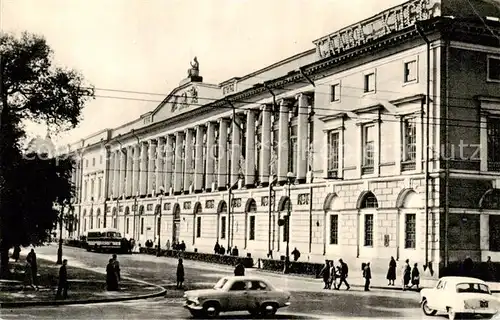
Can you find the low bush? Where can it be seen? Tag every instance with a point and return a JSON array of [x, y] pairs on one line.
[[481, 270], [198, 256], [75, 243], [297, 267]]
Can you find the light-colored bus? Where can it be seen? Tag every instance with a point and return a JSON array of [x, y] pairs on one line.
[[104, 239]]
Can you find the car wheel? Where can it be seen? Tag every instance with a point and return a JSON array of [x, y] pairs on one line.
[[211, 309], [427, 311], [195, 313], [452, 315], [268, 309], [254, 312]]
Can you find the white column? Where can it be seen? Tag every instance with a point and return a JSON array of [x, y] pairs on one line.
[[209, 163], [188, 156], [129, 177], [483, 151], [116, 175], [235, 150], [151, 166], [222, 161], [143, 170], [398, 146], [169, 154], [302, 137], [419, 123], [179, 142], [159, 164], [123, 168], [111, 172], [198, 177], [250, 150], [376, 161], [284, 141], [265, 154], [136, 169]]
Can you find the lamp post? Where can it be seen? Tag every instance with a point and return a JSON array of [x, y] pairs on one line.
[[158, 252], [59, 249], [290, 179]]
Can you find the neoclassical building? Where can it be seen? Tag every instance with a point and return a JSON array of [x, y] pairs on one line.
[[382, 140]]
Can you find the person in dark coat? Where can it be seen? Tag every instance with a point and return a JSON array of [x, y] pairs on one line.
[[325, 273], [111, 278], [217, 247], [468, 265], [16, 253], [344, 272], [235, 251], [62, 285], [222, 250], [34, 266], [415, 276], [239, 270], [296, 254], [182, 246], [391, 273], [367, 274], [406, 274], [180, 274]]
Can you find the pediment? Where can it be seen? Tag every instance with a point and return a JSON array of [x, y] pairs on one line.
[[185, 98]]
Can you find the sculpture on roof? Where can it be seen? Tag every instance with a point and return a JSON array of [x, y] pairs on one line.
[[195, 68]]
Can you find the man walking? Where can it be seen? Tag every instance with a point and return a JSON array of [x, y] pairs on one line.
[[344, 272], [116, 265], [31, 258], [63, 281], [367, 274]]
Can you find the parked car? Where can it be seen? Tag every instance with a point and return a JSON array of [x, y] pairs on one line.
[[457, 296], [237, 293]]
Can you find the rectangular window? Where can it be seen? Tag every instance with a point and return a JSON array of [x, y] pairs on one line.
[[100, 159], [223, 227], [493, 68], [335, 92], [198, 227], [410, 139], [368, 149], [369, 85], [369, 230], [93, 162], [410, 231], [494, 226], [493, 128], [410, 69], [334, 229], [251, 235], [142, 225], [86, 163], [92, 189], [333, 154]]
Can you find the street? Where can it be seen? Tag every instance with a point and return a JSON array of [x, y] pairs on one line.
[[308, 300]]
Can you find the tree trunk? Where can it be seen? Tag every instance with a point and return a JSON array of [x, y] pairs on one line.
[[4, 250], [4, 263]]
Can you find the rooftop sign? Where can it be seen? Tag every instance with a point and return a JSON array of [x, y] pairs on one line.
[[384, 23]]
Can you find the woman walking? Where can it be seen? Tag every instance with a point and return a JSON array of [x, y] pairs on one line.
[[180, 274], [391, 273], [415, 276]]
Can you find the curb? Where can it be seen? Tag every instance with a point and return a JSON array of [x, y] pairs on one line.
[[4, 305]]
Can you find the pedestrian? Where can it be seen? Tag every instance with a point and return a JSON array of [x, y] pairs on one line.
[[182, 246], [367, 274], [217, 247], [344, 273], [490, 269], [239, 270], [117, 267], [406, 274], [16, 253], [325, 273], [468, 265], [62, 284], [415, 276], [111, 279], [391, 273], [34, 266], [296, 254], [28, 276], [333, 276], [180, 274], [235, 251], [168, 244]]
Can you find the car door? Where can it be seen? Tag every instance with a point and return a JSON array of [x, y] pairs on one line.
[[258, 293], [238, 296], [436, 300]]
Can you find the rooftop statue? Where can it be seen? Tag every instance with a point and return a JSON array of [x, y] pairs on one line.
[[195, 68]]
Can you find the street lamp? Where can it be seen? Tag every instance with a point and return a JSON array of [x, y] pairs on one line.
[[290, 176], [59, 250], [158, 252]]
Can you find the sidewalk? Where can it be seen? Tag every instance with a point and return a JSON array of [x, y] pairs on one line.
[[85, 286]]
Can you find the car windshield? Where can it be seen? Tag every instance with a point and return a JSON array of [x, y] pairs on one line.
[[220, 283], [472, 288]]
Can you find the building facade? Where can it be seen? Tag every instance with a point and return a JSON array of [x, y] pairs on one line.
[[381, 141]]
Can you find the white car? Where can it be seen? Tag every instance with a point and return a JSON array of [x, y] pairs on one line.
[[237, 293], [459, 295]]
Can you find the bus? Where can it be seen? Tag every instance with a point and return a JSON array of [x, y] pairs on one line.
[[104, 240]]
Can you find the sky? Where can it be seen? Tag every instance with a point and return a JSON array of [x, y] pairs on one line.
[[146, 46]]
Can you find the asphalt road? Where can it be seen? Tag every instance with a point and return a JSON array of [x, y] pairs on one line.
[[308, 300]]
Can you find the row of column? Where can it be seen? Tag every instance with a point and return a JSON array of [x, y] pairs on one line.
[[168, 163]]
